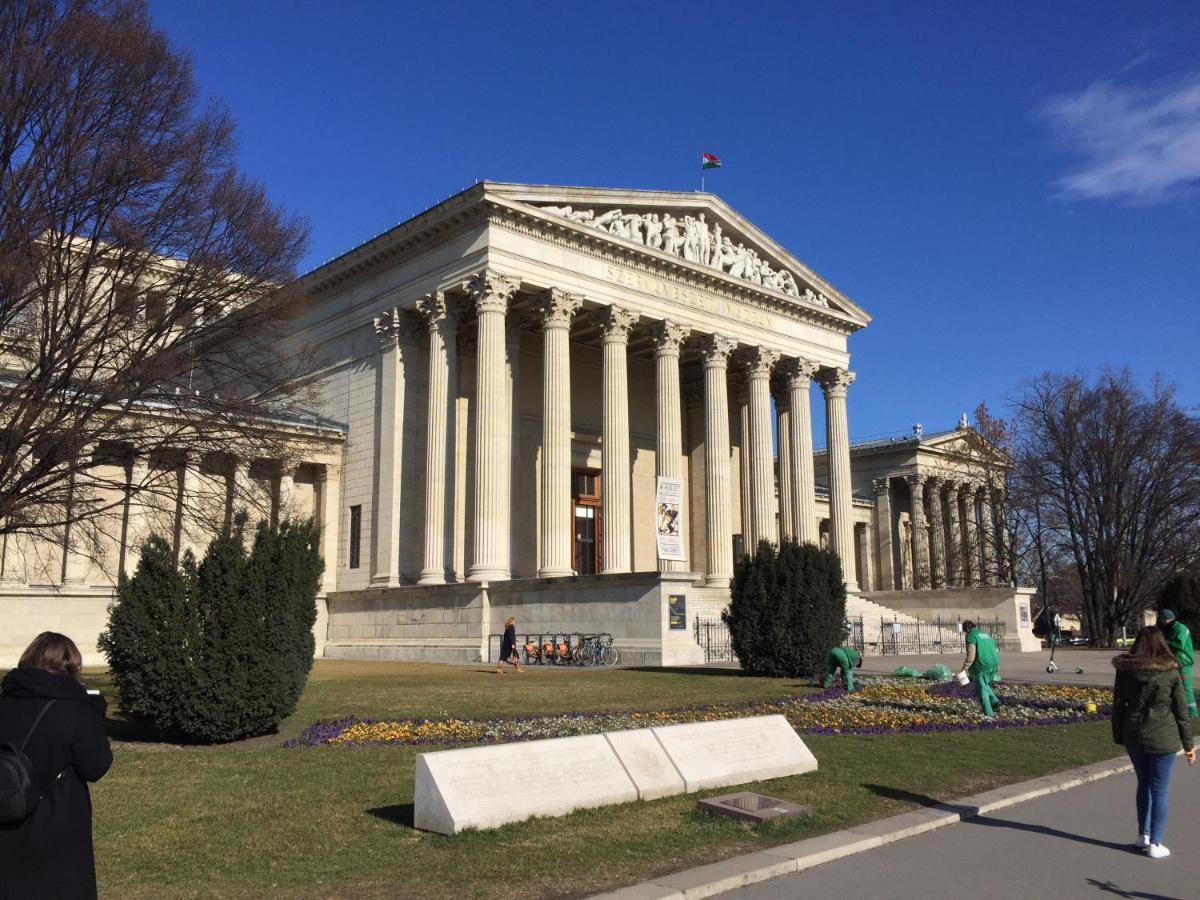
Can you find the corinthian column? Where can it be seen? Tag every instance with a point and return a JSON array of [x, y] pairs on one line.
[[937, 533], [835, 383], [920, 531], [616, 490], [556, 309], [668, 449], [988, 537], [970, 538], [954, 538], [883, 528], [741, 394], [718, 492], [799, 373], [783, 435], [759, 362], [491, 293], [392, 328], [442, 319]]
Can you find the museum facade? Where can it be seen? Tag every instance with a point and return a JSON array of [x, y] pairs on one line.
[[578, 406]]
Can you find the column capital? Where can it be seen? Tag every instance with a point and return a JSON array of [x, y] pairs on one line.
[[329, 472], [491, 291], [951, 489], [881, 485], [759, 361], [916, 481], [437, 310], [556, 308], [668, 336], [616, 323], [716, 349], [835, 382], [393, 327], [798, 372]]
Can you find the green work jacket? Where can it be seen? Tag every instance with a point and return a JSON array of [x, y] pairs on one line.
[[987, 657], [1179, 639], [845, 657]]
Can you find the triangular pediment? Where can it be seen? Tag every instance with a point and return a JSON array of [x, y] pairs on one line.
[[695, 228], [964, 443]]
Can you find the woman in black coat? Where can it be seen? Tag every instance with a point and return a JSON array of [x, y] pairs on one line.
[[50, 853], [508, 647]]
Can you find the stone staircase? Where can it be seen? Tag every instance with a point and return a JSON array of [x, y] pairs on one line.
[[872, 615]]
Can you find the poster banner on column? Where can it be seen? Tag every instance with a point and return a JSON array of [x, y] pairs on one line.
[[668, 503]]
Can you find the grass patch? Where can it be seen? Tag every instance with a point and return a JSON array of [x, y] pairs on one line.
[[252, 818]]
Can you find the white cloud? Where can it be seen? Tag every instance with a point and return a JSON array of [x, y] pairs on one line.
[[1136, 144]]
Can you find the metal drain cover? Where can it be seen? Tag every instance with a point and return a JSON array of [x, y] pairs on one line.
[[751, 807]]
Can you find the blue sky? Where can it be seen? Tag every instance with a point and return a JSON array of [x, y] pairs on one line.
[[1006, 188]]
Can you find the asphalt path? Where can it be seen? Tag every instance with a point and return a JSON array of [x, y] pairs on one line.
[[1096, 665], [1073, 844]]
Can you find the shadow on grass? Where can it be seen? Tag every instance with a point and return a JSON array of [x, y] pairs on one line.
[[891, 793], [692, 670], [399, 814]]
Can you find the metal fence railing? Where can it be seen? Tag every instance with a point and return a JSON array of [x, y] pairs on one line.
[[939, 636], [713, 636]]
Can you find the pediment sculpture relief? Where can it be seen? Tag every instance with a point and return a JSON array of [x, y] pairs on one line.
[[693, 239]]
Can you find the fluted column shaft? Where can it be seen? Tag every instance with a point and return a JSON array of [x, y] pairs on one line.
[[330, 518], [988, 537], [759, 363], [287, 493], [491, 293], [392, 329], [1004, 566], [836, 382], [883, 528], [937, 533], [954, 577], [616, 490], [920, 533], [783, 432], [442, 319], [75, 559], [556, 309], [718, 493], [668, 449], [799, 375], [742, 401], [970, 537]]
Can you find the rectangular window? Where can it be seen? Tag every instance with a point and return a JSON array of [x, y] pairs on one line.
[[355, 535]]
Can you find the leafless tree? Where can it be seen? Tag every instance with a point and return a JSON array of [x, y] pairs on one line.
[[1109, 476], [144, 281]]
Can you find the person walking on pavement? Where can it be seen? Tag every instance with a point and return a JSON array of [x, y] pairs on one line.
[[1150, 717], [847, 659], [508, 647], [44, 707], [982, 664], [1179, 639]]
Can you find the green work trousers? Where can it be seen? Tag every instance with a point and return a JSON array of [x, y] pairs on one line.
[[839, 661], [1185, 673], [983, 679]]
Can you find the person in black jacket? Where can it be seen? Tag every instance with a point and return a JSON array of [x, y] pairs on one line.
[[50, 853], [508, 647]]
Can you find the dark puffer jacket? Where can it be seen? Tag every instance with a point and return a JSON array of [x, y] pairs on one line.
[[50, 853], [1150, 710]]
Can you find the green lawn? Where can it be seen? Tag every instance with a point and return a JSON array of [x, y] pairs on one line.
[[254, 819]]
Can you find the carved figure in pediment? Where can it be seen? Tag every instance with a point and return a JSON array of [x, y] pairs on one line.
[[715, 250], [654, 231], [620, 226], [604, 221], [583, 216], [787, 283], [737, 258], [635, 223], [770, 278], [691, 239], [705, 239], [672, 236]]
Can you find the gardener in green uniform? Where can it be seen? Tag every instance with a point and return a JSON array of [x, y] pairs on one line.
[[982, 664], [847, 659], [1179, 639]]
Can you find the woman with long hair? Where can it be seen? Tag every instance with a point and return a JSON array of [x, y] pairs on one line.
[[45, 708], [1150, 717]]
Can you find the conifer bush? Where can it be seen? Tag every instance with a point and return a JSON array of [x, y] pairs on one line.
[[220, 650], [787, 609]]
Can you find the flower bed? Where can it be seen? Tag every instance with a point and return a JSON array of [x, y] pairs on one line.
[[881, 705]]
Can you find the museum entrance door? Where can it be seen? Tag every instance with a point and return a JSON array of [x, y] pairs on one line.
[[585, 506]]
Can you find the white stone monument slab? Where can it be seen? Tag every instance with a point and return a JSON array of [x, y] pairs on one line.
[[735, 751], [484, 787], [647, 763]]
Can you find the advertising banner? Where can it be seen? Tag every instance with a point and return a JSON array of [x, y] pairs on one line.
[[668, 505]]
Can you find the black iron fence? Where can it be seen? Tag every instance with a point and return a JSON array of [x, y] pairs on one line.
[[938, 636], [713, 635], [854, 634]]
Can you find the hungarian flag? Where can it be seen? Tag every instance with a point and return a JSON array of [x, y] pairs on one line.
[[709, 161]]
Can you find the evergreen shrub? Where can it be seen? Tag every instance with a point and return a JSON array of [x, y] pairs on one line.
[[787, 610], [221, 650]]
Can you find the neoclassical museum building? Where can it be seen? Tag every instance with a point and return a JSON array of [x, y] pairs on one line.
[[578, 407]]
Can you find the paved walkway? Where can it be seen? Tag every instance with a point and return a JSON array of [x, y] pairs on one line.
[[1096, 665], [1073, 844]]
